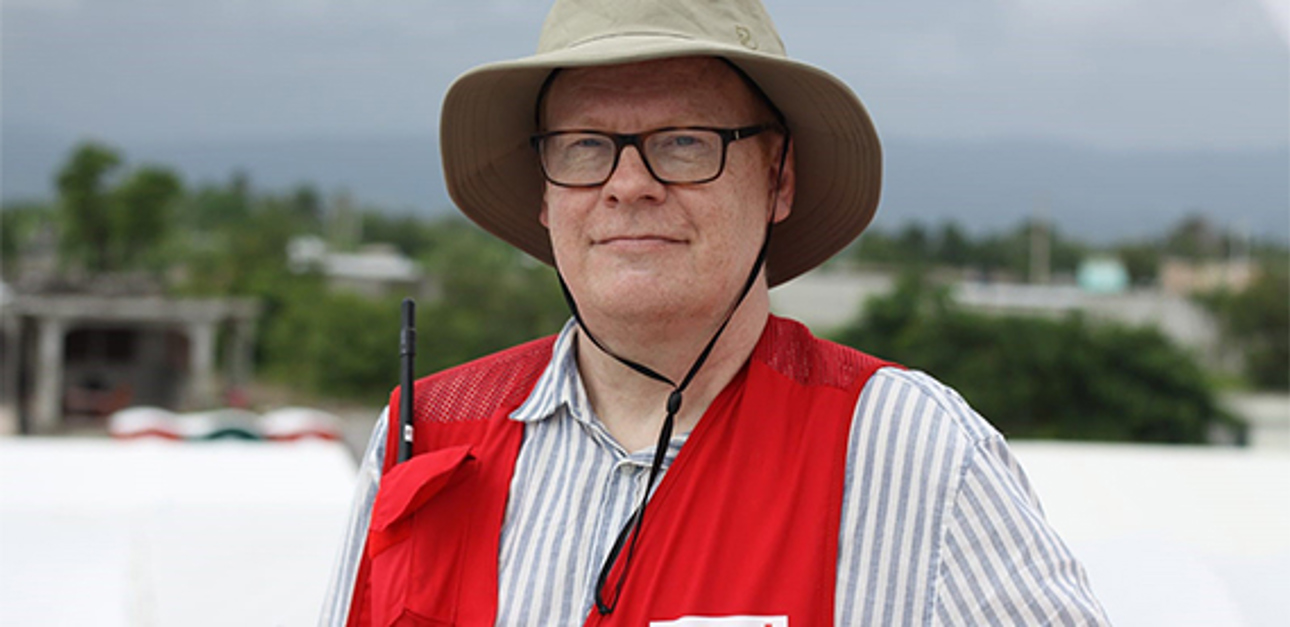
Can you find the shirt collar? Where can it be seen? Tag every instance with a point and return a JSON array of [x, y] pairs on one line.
[[560, 384]]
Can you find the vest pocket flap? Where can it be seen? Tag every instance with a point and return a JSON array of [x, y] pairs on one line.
[[409, 485]]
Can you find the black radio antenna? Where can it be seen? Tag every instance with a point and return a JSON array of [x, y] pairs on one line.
[[407, 386]]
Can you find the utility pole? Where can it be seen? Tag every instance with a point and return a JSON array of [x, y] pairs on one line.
[[1040, 246]]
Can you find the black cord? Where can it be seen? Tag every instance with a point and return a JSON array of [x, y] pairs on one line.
[[631, 530]]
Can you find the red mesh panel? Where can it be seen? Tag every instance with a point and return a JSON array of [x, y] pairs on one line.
[[788, 348], [475, 390]]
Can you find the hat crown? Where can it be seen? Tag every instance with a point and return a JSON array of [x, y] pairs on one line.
[[736, 23]]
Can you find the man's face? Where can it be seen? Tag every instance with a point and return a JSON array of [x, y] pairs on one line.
[[635, 249]]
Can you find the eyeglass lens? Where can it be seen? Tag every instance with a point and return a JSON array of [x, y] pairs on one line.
[[674, 156]]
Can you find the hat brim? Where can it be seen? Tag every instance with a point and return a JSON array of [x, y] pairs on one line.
[[493, 176]]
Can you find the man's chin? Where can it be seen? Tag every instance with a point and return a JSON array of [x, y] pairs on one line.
[[643, 307]]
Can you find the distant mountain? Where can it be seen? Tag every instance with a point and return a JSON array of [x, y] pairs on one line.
[[1096, 195], [399, 174]]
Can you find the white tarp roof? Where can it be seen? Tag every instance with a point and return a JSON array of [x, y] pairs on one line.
[[159, 533], [1173, 535], [162, 533]]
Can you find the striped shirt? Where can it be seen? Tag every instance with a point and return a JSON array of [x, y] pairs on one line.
[[939, 525]]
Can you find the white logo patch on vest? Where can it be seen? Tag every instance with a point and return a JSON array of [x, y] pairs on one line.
[[723, 621]]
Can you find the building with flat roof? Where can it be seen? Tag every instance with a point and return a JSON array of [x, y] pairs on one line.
[[82, 354]]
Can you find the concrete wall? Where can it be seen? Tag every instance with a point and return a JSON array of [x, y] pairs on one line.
[[37, 328], [1268, 417], [827, 300]]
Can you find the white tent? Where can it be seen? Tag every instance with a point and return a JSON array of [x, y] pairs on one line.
[[155, 532], [162, 533], [1173, 535]]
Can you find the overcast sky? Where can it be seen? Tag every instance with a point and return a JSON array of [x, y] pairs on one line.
[[1155, 74]]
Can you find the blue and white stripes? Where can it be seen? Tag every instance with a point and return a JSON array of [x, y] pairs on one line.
[[939, 525], [573, 489]]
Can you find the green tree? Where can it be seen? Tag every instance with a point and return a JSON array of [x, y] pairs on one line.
[[492, 297], [307, 204], [995, 253], [413, 236], [344, 345], [246, 257], [338, 344], [952, 246], [19, 224], [1141, 260], [914, 242], [143, 213], [876, 246], [86, 206], [216, 206], [1257, 320], [110, 225], [1035, 377], [1195, 239]]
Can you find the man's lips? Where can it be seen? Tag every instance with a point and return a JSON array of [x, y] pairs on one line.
[[636, 240]]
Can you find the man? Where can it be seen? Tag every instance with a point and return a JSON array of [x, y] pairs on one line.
[[677, 455]]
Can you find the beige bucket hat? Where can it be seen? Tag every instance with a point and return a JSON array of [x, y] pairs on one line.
[[492, 171]]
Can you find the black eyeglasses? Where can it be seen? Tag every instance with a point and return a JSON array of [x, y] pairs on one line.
[[673, 155]]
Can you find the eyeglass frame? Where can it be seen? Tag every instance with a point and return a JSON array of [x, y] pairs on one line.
[[637, 140]]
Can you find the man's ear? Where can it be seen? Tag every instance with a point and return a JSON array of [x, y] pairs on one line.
[[787, 184], [542, 217]]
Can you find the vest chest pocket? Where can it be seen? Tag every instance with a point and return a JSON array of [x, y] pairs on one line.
[[417, 538]]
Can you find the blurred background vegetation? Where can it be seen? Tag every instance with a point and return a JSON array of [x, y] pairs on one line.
[[1067, 377]]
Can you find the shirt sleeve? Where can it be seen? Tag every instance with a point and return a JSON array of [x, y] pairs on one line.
[[340, 592], [939, 523], [1001, 563]]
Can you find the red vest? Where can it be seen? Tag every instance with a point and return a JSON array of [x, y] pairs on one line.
[[744, 523]]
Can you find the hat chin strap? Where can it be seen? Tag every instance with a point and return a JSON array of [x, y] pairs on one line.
[[632, 527], [675, 397]]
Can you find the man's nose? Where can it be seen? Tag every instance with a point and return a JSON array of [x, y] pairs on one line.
[[631, 181]]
